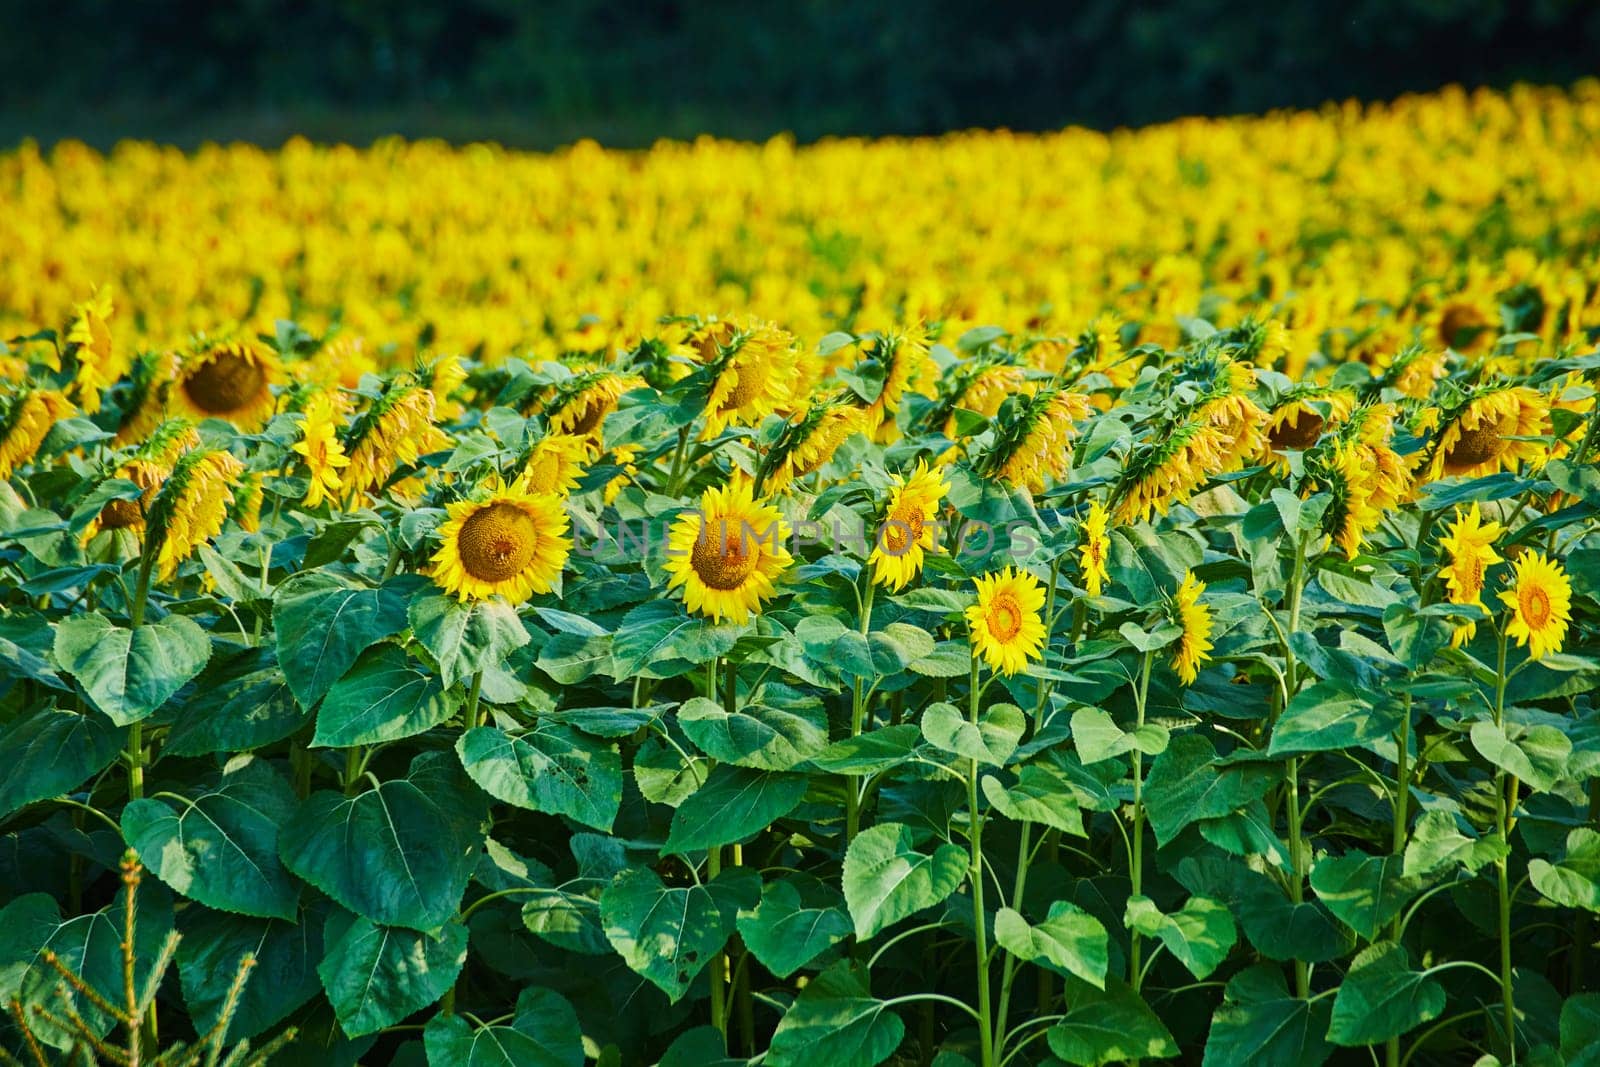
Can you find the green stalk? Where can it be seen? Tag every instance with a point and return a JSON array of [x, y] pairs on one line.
[[1504, 786], [1291, 672], [858, 720], [135, 749], [1136, 860], [1402, 795], [1049, 625], [472, 700], [980, 931], [718, 975], [742, 1003], [1011, 966]]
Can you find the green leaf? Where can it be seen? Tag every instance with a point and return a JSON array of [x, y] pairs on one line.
[[897, 646], [1185, 785], [545, 1032], [785, 934], [1103, 1026], [385, 697], [1437, 844], [377, 975], [550, 768], [1283, 930], [465, 638], [283, 978], [887, 879], [732, 804], [702, 1046], [1259, 1023], [573, 658], [400, 853], [235, 712], [660, 639], [1098, 737], [991, 740], [1364, 892], [1574, 881], [1580, 1030], [1382, 997], [1070, 939], [1041, 794], [570, 921], [870, 753], [1331, 716], [767, 739], [128, 674], [221, 847], [321, 625], [1199, 935], [837, 1021], [666, 934], [53, 752], [1538, 757]]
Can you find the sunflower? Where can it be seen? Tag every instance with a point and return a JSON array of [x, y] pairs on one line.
[[1415, 371], [89, 338], [503, 540], [1467, 321], [907, 530], [1474, 439], [245, 510], [754, 364], [230, 381], [1167, 471], [192, 506], [24, 422], [554, 464], [148, 468], [1095, 549], [1035, 442], [395, 431], [320, 447], [1007, 622], [810, 439], [623, 456], [1194, 644], [443, 377], [151, 373], [1227, 406], [907, 367], [581, 405], [1298, 421], [341, 362], [1470, 542], [984, 392], [1540, 600], [1352, 515], [727, 555]]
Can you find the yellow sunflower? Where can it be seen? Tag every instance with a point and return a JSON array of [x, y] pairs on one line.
[[1037, 443], [810, 439], [1007, 622], [1194, 645], [1476, 438], [89, 336], [148, 468], [581, 406], [1467, 321], [319, 445], [1298, 421], [1167, 471], [755, 365], [1236, 417], [192, 506], [623, 456], [1414, 373], [1095, 549], [503, 541], [907, 367], [555, 464], [728, 555], [985, 392], [907, 532], [231, 381], [1470, 542], [395, 431], [1540, 599], [25, 422]]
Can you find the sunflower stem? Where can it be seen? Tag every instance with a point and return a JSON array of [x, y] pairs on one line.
[[135, 749], [858, 719], [1291, 670], [719, 962], [1049, 631], [1136, 846], [986, 1049], [1504, 787], [472, 699]]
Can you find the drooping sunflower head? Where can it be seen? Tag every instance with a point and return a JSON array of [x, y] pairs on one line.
[[1540, 599], [810, 438], [728, 556], [1479, 437], [502, 541], [1007, 623], [341, 362], [754, 366], [148, 468], [1467, 321], [231, 381], [907, 366], [1167, 470], [1033, 438], [1342, 471], [1194, 618], [1299, 419], [1227, 405], [580, 406], [1415, 371], [555, 463], [395, 431], [983, 391], [26, 416], [1095, 549], [88, 336], [245, 510], [192, 506], [906, 532]]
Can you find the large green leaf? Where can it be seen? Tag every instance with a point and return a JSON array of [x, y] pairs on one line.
[[550, 768], [466, 637], [1365, 892], [376, 975], [990, 741], [128, 674], [764, 738], [1580, 1030], [1573, 881], [220, 847], [568, 920], [238, 705], [1185, 785], [887, 879], [1437, 845], [660, 639], [283, 978], [322, 624], [732, 804], [1069, 938], [1199, 935], [1382, 997], [53, 752], [544, 1032], [785, 933], [836, 1020], [870, 753], [1259, 1023], [1041, 794], [1283, 930], [1538, 756], [399, 853], [667, 934], [1098, 737], [384, 697], [1103, 1026], [1331, 716]]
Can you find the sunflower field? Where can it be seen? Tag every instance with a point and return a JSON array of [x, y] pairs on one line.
[[991, 600]]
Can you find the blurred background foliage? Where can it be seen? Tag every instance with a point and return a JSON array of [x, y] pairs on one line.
[[628, 71]]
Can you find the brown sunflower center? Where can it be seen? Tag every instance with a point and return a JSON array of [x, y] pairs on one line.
[[752, 383], [902, 530], [1299, 435], [589, 416], [1473, 447], [723, 558], [1005, 618], [225, 383], [1460, 325], [497, 542], [120, 514], [1534, 604]]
